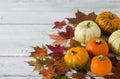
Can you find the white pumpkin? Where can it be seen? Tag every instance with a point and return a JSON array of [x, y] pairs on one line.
[[86, 30], [114, 42]]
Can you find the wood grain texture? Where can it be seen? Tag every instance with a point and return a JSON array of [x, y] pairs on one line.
[[16, 66], [27, 23], [18, 40], [20, 77], [24, 12]]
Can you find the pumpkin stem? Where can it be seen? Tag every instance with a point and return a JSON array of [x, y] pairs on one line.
[[98, 41], [88, 24], [111, 17], [101, 58], [73, 52]]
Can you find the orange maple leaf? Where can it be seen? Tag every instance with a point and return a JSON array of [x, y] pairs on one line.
[[57, 39], [39, 52], [60, 67], [47, 73]]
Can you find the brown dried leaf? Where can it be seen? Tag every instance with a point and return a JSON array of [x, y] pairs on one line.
[[74, 43], [31, 63], [91, 16], [115, 69], [76, 20], [39, 52], [60, 67], [79, 75], [47, 73], [81, 17], [40, 63], [114, 61]]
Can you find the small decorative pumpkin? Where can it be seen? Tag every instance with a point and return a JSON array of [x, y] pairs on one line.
[[101, 65], [108, 22], [86, 30], [76, 58], [97, 46], [114, 42]]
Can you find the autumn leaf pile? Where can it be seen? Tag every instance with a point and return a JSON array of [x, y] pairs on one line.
[[49, 58]]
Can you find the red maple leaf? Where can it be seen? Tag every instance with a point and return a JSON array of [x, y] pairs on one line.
[[59, 25], [57, 51], [68, 34]]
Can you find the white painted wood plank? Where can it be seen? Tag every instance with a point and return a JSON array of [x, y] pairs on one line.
[[44, 12], [20, 78], [18, 40], [16, 66]]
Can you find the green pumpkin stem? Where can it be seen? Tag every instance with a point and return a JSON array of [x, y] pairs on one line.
[[101, 58], [88, 24], [98, 41], [73, 52], [111, 17]]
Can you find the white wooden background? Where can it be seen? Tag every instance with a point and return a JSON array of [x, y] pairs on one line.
[[27, 23]]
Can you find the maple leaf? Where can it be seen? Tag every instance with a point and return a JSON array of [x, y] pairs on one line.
[[61, 77], [41, 63], [74, 43], [76, 20], [58, 39], [47, 73], [91, 16], [59, 25], [113, 60], [79, 75], [115, 69], [68, 34], [60, 67], [81, 17], [31, 63], [57, 51], [39, 52]]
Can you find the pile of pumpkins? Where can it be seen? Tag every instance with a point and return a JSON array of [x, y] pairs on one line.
[[96, 49]]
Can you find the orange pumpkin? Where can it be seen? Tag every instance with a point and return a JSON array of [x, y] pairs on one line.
[[97, 46], [76, 58], [108, 22], [101, 65]]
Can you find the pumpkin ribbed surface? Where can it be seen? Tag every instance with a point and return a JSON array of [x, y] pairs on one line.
[[76, 58], [114, 42], [108, 22], [86, 30]]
